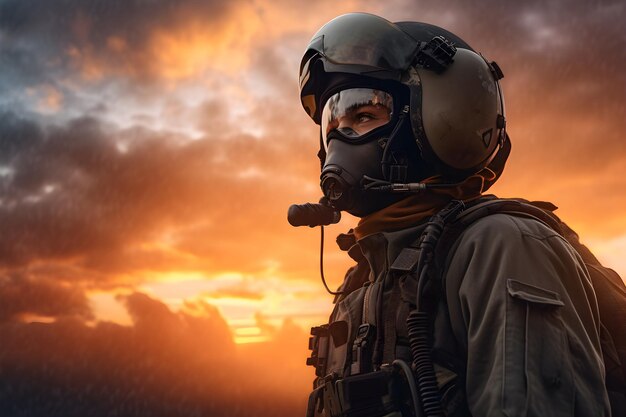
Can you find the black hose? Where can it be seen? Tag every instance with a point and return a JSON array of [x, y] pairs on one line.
[[408, 373], [418, 323]]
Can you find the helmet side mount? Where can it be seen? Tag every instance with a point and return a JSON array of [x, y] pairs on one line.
[[436, 54]]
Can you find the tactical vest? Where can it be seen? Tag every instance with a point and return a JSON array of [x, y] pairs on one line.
[[360, 356]]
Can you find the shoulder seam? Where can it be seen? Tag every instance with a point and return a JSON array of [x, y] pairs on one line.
[[553, 233]]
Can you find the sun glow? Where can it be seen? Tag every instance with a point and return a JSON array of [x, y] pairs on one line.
[[106, 306], [253, 334]]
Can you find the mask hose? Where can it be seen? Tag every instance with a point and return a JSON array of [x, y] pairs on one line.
[[419, 320]]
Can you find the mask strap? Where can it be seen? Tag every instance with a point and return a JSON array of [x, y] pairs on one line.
[[385, 162], [321, 154]]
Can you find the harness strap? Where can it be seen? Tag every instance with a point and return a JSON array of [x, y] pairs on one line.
[[540, 211], [389, 324]]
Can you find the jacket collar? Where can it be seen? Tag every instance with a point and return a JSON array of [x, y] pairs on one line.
[[381, 249]]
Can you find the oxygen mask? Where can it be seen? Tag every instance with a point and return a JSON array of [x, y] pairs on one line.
[[353, 128]]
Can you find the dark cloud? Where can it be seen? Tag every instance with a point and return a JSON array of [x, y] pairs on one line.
[[16, 135], [180, 334], [101, 18], [22, 295], [19, 64], [60, 45], [75, 22], [166, 364], [50, 204]]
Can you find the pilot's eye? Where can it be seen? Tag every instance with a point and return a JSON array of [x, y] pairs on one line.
[[364, 117]]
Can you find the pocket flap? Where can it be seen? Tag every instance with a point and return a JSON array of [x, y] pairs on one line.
[[533, 294]]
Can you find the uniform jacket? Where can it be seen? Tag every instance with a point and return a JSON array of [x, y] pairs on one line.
[[516, 329]]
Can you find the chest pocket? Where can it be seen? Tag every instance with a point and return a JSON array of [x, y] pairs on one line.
[[536, 342], [348, 311]]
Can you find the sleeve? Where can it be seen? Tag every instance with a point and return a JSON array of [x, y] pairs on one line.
[[522, 307]]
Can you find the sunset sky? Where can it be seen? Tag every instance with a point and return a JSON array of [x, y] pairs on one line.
[[149, 151]]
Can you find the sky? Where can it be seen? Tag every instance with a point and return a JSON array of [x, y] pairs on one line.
[[149, 150]]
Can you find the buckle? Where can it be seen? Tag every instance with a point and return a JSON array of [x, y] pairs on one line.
[[362, 349], [318, 344]]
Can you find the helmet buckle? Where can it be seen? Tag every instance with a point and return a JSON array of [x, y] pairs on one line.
[[398, 167], [398, 173]]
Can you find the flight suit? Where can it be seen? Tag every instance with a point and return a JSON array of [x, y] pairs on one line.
[[516, 328]]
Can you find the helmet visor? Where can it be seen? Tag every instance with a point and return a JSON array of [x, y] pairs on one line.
[[357, 44], [355, 112], [364, 39]]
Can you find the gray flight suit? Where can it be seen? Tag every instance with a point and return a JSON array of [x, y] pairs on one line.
[[518, 313]]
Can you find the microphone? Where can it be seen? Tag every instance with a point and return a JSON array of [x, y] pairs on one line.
[[312, 215]]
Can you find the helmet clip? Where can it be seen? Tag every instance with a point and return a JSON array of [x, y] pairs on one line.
[[436, 54], [496, 71]]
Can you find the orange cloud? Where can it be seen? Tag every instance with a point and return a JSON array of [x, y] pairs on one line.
[[196, 46], [188, 40], [235, 292]]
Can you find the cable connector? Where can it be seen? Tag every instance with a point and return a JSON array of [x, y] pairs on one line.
[[412, 187]]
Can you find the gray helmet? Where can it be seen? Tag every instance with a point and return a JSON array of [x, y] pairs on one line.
[[455, 102]]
